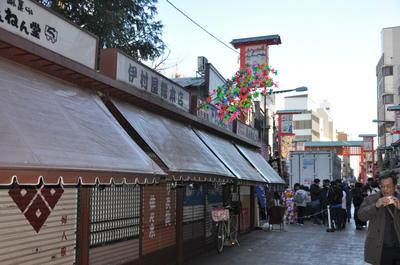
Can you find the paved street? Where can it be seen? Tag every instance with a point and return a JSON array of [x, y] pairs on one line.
[[307, 244]]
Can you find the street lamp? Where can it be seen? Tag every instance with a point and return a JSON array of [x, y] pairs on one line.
[[266, 137], [297, 89], [379, 121]]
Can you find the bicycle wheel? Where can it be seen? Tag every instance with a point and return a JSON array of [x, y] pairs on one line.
[[220, 236], [234, 232]]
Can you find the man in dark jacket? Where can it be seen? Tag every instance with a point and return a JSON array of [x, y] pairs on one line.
[[382, 209], [368, 187], [358, 197], [315, 191], [324, 201], [335, 196]]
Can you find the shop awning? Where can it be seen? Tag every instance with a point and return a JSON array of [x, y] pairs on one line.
[[53, 131], [176, 144], [231, 158], [260, 164]]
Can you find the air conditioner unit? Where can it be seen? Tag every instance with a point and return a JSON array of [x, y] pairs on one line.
[[201, 64]]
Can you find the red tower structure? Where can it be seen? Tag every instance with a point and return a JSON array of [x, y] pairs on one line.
[[255, 49]]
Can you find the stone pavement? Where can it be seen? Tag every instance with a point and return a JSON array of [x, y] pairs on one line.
[[309, 244]]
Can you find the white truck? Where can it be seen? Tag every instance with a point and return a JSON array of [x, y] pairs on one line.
[[305, 166]]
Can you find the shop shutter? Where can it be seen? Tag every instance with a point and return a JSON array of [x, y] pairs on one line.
[[159, 224], [38, 225], [114, 224], [193, 220]]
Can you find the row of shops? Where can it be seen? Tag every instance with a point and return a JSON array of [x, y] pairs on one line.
[[107, 166]]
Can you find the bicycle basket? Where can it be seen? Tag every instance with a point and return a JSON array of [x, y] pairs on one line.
[[234, 206], [220, 215]]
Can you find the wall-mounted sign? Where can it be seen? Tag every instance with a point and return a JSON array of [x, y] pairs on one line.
[[396, 109], [287, 124], [300, 146], [255, 49], [136, 74], [246, 131], [210, 114], [367, 144], [397, 122], [256, 54], [286, 129], [36, 23]]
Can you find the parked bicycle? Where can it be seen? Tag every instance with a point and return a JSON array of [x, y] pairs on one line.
[[226, 221]]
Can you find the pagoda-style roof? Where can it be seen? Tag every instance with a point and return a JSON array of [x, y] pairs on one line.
[[269, 40]]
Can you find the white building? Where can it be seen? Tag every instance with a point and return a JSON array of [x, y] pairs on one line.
[[388, 84], [314, 123]]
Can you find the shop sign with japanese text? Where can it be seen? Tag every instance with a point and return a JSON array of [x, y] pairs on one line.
[[256, 54], [247, 131], [136, 74], [210, 114], [37, 24]]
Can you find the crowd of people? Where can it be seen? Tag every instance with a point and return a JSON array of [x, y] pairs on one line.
[[311, 202], [376, 202]]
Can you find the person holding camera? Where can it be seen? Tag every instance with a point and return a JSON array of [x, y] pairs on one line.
[[382, 210]]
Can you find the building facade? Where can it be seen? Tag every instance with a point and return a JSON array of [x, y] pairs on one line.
[[388, 84], [314, 123]]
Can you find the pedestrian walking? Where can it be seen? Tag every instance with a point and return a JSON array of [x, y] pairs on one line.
[[358, 198], [382, 210], [349, 200], [344, 201], [301, 198], [315, 192]]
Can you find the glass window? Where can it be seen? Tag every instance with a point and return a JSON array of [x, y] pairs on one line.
[[387, 71], [388, 99]]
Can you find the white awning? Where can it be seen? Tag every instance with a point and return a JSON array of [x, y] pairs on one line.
[[53, 131], [176, 144], [260, 164], [230, 157]]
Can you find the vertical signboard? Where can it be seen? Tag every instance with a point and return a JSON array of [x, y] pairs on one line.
[[256, 54], [255, 49], [159, 210], [286, 124], [307, 170], [367, 154], [397, 122], [367, 144], [35, 23]]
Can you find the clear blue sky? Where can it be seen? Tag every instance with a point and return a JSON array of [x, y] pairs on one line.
[[332, 47]]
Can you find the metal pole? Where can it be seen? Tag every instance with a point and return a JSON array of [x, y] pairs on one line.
[[330, 229], [265, 120]]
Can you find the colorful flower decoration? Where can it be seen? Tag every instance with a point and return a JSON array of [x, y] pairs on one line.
[[236, 95]]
